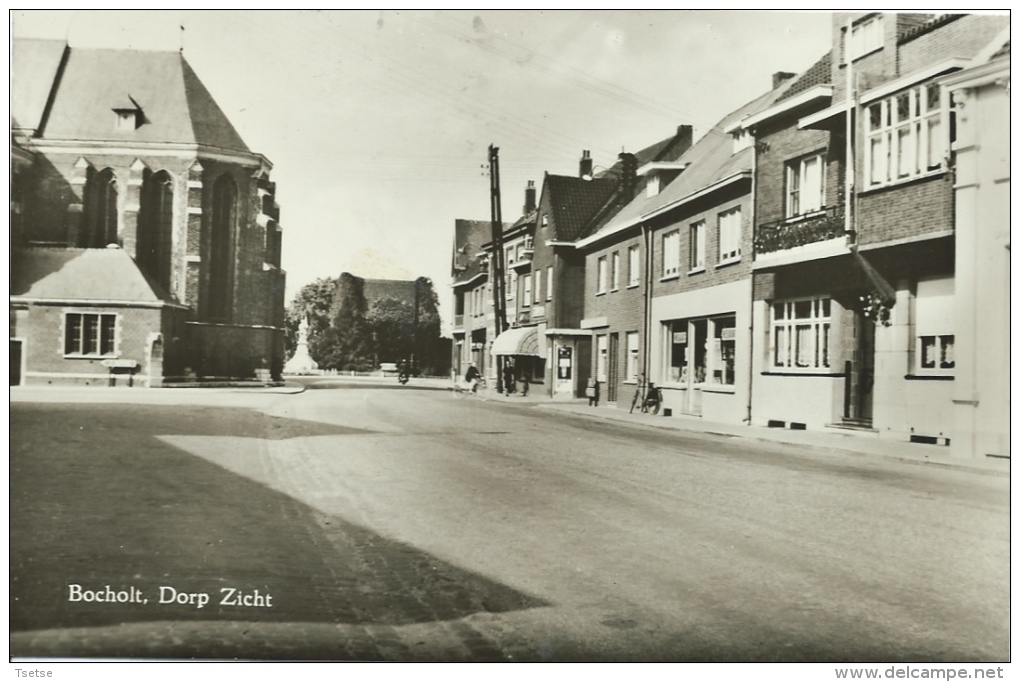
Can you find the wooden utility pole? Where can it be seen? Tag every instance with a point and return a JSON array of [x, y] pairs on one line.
[[498, 259]]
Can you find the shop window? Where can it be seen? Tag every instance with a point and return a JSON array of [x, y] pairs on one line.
[[724, 346], [90, 334], [702, 351], [800, 334]]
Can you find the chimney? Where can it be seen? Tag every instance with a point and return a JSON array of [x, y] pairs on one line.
[[628, 179], [684, 138], [529, 197], [586, 166], [780, 77]]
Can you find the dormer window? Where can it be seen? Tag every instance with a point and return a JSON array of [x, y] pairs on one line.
[[652, 188], [129, 117], [742, 139]]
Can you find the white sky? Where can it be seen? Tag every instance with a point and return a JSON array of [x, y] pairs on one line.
[[378, 122]]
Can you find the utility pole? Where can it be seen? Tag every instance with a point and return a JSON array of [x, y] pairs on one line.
[[498, 264]]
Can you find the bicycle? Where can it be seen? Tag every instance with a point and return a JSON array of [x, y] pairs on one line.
[[461, 391], [650, 402]]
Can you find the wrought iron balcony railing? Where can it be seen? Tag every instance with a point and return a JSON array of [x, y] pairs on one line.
[[790, 232]]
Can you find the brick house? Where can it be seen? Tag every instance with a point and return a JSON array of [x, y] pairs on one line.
[[853, 300], [147, 239], [684, 317], [471, 296]]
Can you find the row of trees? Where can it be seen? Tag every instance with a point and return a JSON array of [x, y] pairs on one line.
[[346, 331]]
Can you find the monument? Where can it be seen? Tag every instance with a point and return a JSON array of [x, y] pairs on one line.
[[302, 362]]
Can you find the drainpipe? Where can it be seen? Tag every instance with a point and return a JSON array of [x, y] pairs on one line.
[[646, 236], [849, 170], [750, 321]]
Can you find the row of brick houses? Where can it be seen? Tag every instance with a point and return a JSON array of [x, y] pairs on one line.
[[832, 255], [145, 233]]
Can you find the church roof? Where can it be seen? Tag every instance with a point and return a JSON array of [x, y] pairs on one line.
[[87, 86]]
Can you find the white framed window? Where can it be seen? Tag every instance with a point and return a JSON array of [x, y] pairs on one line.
[[865, 37], [616, 270], [800, 334], [934, 328], [698, 246], [729, 236], [601, 281], [601, 356], [633, 356], [549, 284], [526, 290], [634, 266], [905, 135], [805, 185], [671, 254], [538, 286], [90, 334]]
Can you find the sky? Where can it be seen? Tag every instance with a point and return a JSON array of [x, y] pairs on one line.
[[378, 122]]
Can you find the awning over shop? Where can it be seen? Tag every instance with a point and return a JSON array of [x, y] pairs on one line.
[[519, 341]]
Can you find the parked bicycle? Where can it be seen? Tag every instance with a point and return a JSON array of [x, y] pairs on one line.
[[648, 397]]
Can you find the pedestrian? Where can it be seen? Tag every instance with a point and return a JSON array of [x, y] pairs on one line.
[[592, 392], [508, 378], [471, 377], [525, 384]]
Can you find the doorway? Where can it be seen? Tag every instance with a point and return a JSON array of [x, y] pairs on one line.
[[858, 396]]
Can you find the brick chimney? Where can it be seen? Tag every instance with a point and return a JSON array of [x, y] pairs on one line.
[[628, 175], [529, 197], [684, 137], [586, 166], [780, 77]]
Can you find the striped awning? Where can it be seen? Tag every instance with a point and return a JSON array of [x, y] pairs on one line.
[[519, 341]]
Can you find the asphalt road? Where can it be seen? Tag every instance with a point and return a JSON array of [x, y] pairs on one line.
[[413, 525]]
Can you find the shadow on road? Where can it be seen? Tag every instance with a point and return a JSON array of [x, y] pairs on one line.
[[97, 499]]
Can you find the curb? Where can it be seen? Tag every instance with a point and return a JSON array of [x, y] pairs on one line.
[[843, 443]]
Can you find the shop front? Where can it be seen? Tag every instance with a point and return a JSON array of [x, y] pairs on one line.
[[570, 351]]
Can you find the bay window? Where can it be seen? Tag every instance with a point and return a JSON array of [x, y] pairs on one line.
[[905, 136]]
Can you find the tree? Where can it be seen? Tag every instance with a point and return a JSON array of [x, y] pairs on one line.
[[314, 301], [351, 338]]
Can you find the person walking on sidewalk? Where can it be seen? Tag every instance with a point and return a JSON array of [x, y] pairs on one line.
[[508, 379]]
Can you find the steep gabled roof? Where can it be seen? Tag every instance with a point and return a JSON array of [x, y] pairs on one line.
[[86, 275], [34, 65], [575, 201], [708, 161], [175, 106]]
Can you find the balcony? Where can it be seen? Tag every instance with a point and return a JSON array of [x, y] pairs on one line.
[[807, 229]]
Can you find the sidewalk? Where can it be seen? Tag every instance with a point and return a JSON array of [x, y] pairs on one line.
[[861, 444]]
